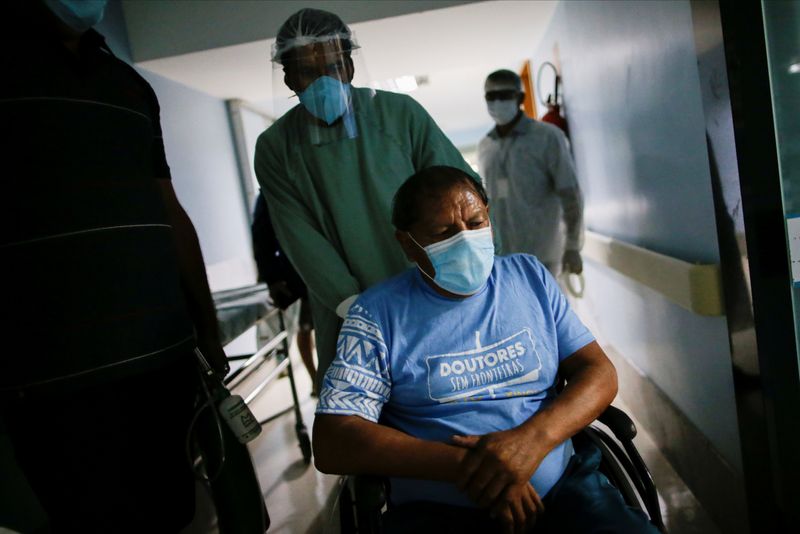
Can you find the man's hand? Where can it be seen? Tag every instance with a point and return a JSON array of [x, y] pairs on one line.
[[517, 508], [495, 461], [215, 356], [572, 262], [281, 295]]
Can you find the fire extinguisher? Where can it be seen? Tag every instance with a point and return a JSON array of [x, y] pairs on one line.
[[575, 284], [553, 115]]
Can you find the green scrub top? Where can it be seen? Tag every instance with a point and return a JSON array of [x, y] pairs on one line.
[[331, 201]]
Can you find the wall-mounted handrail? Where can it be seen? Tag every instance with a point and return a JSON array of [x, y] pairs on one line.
[[696, 287]]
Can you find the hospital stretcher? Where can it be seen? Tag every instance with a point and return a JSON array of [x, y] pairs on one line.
[[239, 310]]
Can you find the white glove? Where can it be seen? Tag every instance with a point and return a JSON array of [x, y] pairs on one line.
[[570, 280], [344, 306]]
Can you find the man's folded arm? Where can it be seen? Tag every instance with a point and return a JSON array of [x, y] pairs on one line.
[[352, 445], [590, 388]]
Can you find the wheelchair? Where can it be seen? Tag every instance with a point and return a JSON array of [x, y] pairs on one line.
[[362, 499]]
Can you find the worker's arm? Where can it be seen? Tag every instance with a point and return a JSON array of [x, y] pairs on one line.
[[572, 207], [194, 279], [317, 262], [565, 181]]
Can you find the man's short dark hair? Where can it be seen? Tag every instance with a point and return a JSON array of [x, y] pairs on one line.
[[506, 76], [426, 183]]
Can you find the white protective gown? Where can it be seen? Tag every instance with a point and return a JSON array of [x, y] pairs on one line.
[[532, 188]]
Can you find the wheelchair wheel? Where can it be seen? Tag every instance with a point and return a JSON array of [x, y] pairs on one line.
[[612, 465], [347, 516]]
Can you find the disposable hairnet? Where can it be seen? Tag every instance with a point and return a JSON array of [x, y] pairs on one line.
[[309, 26]]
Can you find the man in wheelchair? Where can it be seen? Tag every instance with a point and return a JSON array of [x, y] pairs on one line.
[[445, 380]]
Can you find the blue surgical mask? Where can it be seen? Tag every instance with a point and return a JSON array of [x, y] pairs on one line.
[[463, 262], [327, 98], [80, 15], [503, 111]]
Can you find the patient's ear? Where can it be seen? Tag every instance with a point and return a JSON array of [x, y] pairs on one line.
[[409, 249], [414, 253]]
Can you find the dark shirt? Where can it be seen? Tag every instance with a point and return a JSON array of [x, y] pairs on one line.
[[87, 248]]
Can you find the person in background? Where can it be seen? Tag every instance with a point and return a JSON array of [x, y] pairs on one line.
[[285, 285], [330, 166], [446, 379], [108, 293], [531, 180]]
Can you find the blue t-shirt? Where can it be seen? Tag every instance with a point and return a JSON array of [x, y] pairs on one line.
[[434, 367]]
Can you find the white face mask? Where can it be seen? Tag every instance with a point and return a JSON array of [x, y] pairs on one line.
[[503, 111], [462, 263]]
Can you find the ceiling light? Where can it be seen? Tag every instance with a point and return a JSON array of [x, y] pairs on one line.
[[402, 84]]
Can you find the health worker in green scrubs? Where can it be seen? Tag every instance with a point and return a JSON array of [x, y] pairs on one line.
[[331, 165]]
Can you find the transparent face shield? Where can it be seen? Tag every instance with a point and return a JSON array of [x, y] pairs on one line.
[[327, 82]]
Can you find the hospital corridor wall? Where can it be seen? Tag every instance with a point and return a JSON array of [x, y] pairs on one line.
[[654, 129]]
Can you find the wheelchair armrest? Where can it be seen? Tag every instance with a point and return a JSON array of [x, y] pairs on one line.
[[370, 491], [619, 423]]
